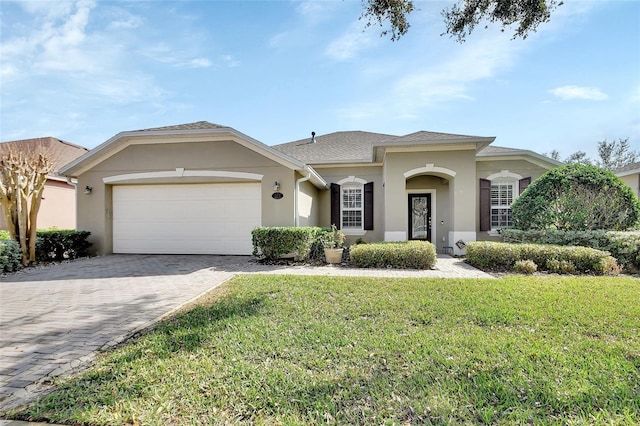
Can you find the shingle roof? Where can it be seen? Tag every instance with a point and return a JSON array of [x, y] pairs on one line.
[[59, 152], [198, 125], [358, 146], [353, 146], [497, 150]]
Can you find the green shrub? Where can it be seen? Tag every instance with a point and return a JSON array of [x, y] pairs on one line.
[[501, 256], [10, 256], [525, 266], [409, 254], [577, 197], [274, 242], [623, 245], [4, 235], [61, 244]]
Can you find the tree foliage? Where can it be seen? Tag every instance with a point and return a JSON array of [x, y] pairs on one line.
[[611, 155], [462, 18], [577, 197], [23, 174]]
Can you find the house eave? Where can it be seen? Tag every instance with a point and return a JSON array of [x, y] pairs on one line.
[[532, 157], [125, 139]]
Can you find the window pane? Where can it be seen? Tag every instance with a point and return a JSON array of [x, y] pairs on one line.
[[352, 206], [500, 217], [351, 219]]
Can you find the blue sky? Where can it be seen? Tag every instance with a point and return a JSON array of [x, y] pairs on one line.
[[85, 70]]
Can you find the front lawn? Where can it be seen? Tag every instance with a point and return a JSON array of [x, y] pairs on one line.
[[315, 350]]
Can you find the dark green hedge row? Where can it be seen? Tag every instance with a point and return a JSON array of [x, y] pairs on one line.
[[623, 245], [409, 254], [61, 244], [10, 255], [275, 242], [503, 256]]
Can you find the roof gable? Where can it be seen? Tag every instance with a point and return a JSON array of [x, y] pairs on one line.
[[201, 131]]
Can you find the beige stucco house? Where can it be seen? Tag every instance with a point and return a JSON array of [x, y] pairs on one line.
[[58, 206], [630, 174], [202, 188]]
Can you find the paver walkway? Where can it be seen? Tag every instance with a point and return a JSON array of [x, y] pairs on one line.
[[54, 319]]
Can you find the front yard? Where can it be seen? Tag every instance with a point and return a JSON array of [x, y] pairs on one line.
[[315, 350]]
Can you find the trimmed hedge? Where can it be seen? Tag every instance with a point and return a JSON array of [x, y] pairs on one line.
[[409, 254], [275, 242], [10, 256], [623, 245], [61, 244], [503, 256], [4, 235]]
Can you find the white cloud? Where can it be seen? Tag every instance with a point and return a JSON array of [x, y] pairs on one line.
[[200, 63], [350, 43], [579, 92]]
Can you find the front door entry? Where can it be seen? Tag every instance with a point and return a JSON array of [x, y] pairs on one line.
[[420, 217]]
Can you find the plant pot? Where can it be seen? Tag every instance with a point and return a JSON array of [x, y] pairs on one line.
[[333, 255]]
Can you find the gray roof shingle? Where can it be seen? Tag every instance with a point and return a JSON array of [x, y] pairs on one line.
[[358, 146], [198, 125], [352, 146]]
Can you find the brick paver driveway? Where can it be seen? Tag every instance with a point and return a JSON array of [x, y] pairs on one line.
[[54, 319]]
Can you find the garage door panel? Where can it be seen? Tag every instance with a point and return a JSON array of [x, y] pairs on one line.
[[193, 218]]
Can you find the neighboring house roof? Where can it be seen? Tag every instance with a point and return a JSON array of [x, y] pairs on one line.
[[359, 146], [198, 131], [60, 152], [627, 170]]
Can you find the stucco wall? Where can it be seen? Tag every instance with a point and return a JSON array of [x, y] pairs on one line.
[[634, 182], [58, 207], [459, 207], [95, 210], [367, 173], [308, 204]]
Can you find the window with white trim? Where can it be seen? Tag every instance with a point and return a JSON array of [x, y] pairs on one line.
[[351, 206], [503, 194]]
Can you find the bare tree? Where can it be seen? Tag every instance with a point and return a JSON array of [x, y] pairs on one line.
[[615, 154], [23, 173]]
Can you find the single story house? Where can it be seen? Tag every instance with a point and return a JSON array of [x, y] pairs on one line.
[[630, 174], [202, 188], [58, 206]]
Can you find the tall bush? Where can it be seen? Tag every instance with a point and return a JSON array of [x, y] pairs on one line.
[[274, 242], [577, 197], [61, 244]]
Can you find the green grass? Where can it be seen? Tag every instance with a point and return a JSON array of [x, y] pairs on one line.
[[315, 350]]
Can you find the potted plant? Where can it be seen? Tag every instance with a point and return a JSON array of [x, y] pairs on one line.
[[333, 242]]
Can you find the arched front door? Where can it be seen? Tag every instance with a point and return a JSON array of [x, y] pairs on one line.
[[420, 217]]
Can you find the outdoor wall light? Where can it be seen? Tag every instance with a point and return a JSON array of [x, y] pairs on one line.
[[87, 190], [276, 186]]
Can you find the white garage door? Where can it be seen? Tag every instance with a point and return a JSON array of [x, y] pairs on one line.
[[186, 219]]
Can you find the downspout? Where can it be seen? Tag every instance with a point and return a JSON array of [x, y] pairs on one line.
[[304, 178]]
